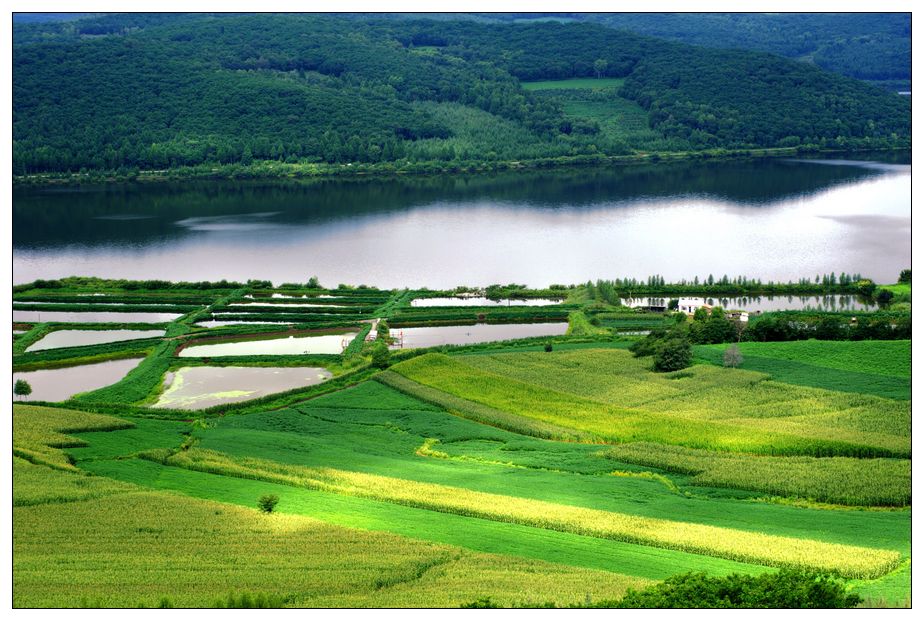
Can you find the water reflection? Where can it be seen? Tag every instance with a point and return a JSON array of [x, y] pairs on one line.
[[764, 303], [780, 220]]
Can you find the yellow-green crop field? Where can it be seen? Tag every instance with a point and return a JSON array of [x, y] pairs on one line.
[[529, 478]]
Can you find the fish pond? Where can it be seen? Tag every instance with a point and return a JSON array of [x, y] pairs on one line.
[[273, 346], [93, 317], [63, 383], [432, 336], [75, 338], [195, 388], [482, 301]]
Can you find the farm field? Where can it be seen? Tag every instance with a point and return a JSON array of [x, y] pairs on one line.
[[497, 470], [881, 368]]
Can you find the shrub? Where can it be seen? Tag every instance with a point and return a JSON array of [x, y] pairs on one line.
[[380, 355], [866, 287], [884, 296], [548, 347], [905, 276], [268, 502], [786, 589], [673, 354]]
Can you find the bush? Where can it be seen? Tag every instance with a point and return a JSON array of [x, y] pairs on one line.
[[866, 287], [548, 347], [673, 354], [884, 296], [268, 502], [380, 355], [786, 589], [905, 277]]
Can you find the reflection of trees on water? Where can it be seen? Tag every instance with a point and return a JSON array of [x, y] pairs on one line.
[[836, 302], [133, 212]]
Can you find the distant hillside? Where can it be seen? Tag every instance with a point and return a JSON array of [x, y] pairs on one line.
[[869, 46], [160, 91]]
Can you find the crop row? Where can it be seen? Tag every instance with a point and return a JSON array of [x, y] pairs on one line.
[[839, 480], [744, 546]]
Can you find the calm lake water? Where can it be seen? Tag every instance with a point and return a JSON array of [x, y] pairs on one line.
[[61, 384], [772, 219], [431, 336], [194, 388]]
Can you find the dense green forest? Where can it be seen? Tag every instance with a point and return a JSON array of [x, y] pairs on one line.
[[868, 46], [139, 91]]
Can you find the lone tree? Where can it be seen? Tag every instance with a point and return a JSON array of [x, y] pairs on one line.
[[905, 277], [22, 388], [600, 66], [673, 354], [733, 357], [268, 502]]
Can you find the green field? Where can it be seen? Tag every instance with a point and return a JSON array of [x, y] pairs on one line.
[[574, 83], [499, 471], [881, 368]]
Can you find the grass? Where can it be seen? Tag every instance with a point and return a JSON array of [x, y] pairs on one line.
[[612, 396], [881, 368], [579, 325], [579, 83]]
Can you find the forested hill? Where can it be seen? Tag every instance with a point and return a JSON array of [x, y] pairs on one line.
[[161, 91], [868, 46]]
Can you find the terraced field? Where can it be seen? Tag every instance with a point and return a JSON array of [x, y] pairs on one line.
[[499, 471]]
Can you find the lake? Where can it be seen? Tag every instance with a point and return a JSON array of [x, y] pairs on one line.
[[772, 219]]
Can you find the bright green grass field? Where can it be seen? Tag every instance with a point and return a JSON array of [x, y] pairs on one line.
[[590, 83], [881, 368]]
